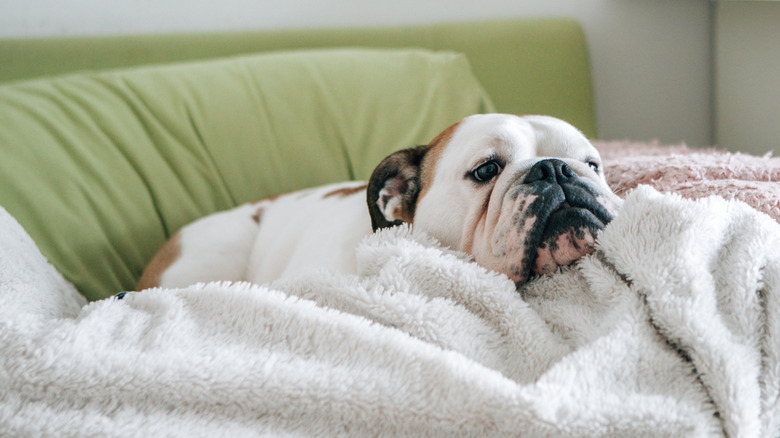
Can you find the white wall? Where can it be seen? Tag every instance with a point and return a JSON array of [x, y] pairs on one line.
[[651, 58], [747, 42]]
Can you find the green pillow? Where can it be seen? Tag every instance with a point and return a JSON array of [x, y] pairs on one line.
[[100, 168]]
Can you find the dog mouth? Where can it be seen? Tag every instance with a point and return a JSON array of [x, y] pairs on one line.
[[565, 231], [539, 229], [568, 235]]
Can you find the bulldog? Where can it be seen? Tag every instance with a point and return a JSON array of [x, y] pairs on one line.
[[523, 195]]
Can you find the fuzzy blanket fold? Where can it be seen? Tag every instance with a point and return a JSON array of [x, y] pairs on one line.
[[671, 329]]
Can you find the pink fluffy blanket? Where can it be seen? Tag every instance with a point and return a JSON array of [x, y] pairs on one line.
[[694, 173]]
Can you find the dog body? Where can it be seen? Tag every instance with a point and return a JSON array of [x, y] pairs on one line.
[[522, 195]]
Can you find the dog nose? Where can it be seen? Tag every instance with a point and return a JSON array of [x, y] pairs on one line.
[[550, 170]]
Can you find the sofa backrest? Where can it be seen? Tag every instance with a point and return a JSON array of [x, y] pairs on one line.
[[101, 168], [527, 66]]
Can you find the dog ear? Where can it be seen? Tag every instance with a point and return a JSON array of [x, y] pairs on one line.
[[394, 186]]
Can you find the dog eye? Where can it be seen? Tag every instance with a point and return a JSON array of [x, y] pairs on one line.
[[486, 172], [594, 165]]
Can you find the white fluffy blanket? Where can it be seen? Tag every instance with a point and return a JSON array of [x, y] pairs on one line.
[[671, 329]]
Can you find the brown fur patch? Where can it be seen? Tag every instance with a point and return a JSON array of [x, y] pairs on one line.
[[431, 159], [258, 215], [346, 191], [268, 199], [161, 261]]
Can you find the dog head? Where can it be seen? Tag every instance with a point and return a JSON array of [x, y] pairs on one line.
[[522, 195]]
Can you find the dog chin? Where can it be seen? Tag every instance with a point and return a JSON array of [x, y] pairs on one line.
[[568, 235]]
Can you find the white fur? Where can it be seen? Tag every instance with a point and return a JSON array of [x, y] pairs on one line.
[[216, 247], [266, 240], [308, 232]]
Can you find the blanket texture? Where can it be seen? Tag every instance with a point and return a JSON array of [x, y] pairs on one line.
[[693, 173], [672, 328]]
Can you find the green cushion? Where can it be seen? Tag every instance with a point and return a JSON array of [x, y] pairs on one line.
[[527, 66], [101, 168]]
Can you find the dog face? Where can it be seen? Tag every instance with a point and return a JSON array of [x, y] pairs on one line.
[[522, 195]]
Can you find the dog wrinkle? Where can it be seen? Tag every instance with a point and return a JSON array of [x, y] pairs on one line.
[[483, 224], [477, 225], [507, 250], [162, 260]]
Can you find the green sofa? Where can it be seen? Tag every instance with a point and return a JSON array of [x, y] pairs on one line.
[[109, 145]]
